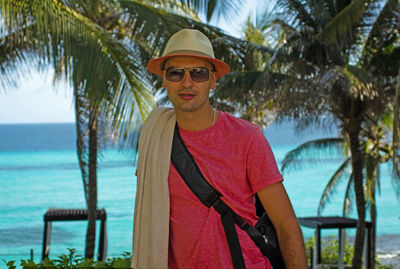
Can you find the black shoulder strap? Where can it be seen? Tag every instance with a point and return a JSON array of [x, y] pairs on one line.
[[191, 174]]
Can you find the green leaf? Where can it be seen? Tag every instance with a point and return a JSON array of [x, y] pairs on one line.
[[343, 23], [29, 264], [10, 264], [121, 263], [211, 9]]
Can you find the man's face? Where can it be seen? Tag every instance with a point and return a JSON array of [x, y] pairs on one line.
[[187, 95]]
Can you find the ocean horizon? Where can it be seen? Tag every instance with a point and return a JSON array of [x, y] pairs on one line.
[[39, 170]]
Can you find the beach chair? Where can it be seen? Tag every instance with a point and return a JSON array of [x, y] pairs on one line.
[[340, 223], [68, 214]]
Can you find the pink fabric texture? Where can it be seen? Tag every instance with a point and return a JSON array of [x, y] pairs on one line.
[[236, 159]]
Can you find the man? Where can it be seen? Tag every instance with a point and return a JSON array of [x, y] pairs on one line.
[[172, 228]]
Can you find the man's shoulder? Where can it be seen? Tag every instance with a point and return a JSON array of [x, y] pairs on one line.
[[160, 122], [158, 115], [160, 111], [240, 126]]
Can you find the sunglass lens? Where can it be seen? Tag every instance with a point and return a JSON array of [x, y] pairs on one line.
[[199, 74], [175, 74]]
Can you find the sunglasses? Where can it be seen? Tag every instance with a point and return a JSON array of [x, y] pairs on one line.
[[198, 74]]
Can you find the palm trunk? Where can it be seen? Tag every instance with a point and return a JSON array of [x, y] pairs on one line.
[[373, 230], [396, 122], [353, 129], [92, 202]]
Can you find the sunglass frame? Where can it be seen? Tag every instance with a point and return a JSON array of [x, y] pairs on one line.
[[191, 73]]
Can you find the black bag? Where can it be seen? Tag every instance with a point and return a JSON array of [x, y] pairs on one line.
[[263, 234], [270, 247]]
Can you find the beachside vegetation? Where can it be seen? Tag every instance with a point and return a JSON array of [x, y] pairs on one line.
[[330, 253], [72, 260]]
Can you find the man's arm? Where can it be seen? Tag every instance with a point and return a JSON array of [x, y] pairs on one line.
[[277, 204]]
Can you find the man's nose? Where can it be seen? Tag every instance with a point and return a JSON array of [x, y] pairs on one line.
[[187, 80]]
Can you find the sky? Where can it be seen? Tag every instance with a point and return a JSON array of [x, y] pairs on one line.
[[37, 100]]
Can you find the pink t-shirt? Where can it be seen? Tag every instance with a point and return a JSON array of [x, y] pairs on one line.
[[236, 159]]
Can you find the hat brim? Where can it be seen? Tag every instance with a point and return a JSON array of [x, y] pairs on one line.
[[154, 65]]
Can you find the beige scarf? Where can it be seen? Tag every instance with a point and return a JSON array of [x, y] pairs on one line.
[[151, 220]]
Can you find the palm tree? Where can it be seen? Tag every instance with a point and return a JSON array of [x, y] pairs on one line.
[[235, 90], [378, 149], [239, 91], [97, 66], [323, 65], [99, 47]]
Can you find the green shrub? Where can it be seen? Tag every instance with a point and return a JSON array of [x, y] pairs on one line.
[[330, 253], [75, 261]]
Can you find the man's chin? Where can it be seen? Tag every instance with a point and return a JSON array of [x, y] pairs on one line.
[[187, 109]]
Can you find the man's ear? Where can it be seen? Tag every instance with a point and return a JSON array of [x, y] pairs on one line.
[[163, 82], [213, 81]]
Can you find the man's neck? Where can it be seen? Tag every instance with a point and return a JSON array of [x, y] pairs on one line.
[[196, 121]]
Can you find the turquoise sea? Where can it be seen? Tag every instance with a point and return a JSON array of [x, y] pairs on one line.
[[39, 170]]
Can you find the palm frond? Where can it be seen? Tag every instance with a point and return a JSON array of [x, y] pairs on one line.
[[331, 7], [353, 81], [383, 32], [320, 11], [251, 94], [151, 27], [216, 8], [317, 121], [372, 175], [146, 26], [285, 26], [314, 149], [68, 32], [254, 34], [297, 9], [334, 181], [210, 9], [16, 61], [348, 197], [341, 27]]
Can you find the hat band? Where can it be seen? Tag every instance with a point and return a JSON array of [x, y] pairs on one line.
[[188, 53]]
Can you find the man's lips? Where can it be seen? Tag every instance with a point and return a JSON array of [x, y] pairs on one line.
[[187, 96]]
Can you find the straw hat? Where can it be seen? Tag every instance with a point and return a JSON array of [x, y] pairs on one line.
[[188, 42]]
